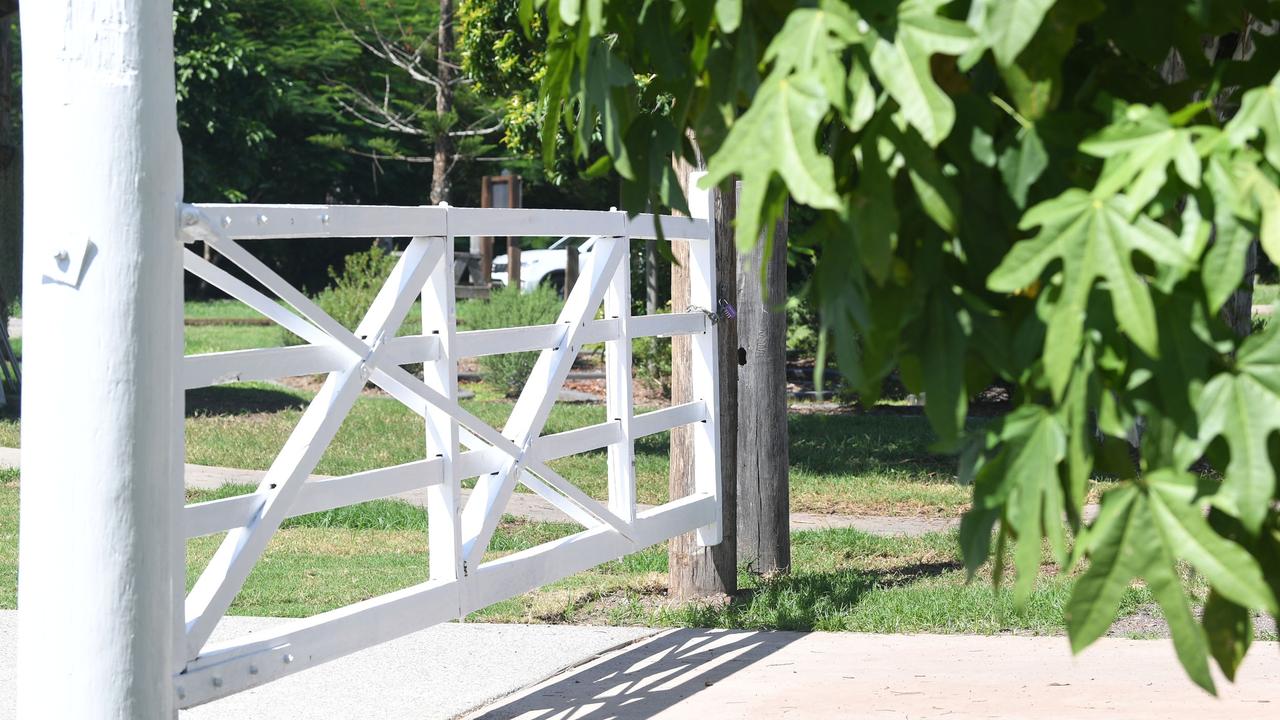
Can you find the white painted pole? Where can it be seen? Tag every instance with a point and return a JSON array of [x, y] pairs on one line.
[[101, 416]]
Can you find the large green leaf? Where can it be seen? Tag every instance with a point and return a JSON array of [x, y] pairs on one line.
[[784, 120], [1021, 165], [1094, 239], [900, 58], [1138, 153], [1259, 114], [873, 214], [1222, 269], [570, 11], [1113, 563], [1021, 476], [1035, 81], [1243, 407], [1123, 544], [1189, 641], [602, 95], [1228, 567], [1229, 628], [937, 193], [1036, 444], [1257, 196], [862, 94], [811, 43], [729, 14], [1010, 25]]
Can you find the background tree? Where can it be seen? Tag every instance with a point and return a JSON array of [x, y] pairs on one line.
[[254, 111], [261, 89], [251, 93], [1003, 191], [420, 96]]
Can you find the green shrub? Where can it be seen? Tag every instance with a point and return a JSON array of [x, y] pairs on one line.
[[352, 292], [1259, 323], [802, 327], [651, 362], [508, 307]]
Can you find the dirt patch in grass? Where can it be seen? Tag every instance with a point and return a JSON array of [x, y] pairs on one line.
[[650, 598], [1148, 622]]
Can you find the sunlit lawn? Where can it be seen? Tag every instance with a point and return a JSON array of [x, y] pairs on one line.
[[842, 579], [867, 464], [843, 463]]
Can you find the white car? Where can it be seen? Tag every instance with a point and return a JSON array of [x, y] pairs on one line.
[[547, 266]]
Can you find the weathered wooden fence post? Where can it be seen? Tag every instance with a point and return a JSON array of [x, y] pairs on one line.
[[764, 510], [694, 570], [101, 413]]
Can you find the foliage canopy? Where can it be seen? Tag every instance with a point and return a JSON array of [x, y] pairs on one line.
[[1057, 194]]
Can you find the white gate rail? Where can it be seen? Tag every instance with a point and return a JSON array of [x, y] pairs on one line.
[[457, 445]]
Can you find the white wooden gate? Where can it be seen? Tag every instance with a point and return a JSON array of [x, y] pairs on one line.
[[457, 445]]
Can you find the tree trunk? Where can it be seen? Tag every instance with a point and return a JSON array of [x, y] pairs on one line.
[[442, 159], [764, 516], [695, 571], [10, 177]]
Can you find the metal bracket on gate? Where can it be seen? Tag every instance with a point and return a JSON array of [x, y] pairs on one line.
[[194, 225], [66, 263]]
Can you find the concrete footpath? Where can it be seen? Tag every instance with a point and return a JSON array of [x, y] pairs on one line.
[[441, 672], [559, 672], [701, 674]]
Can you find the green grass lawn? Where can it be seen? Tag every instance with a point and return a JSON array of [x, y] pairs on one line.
[[846, 463], [839, 463], [1265, 294], [842, 579], [858, 464], [221, 338], [218, 309], [861, 464]]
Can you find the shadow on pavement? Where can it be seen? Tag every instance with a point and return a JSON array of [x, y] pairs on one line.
[[644, 680]]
